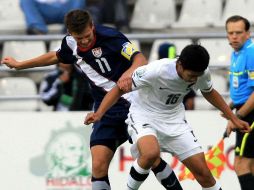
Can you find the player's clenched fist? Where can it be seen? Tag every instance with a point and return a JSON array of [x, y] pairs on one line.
[[10, 62], [91, 118]]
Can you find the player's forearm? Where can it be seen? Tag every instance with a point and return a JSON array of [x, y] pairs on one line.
[[216, 100], [138, 61], [47, 59], [109, 100], [247, 107], [125, 81]]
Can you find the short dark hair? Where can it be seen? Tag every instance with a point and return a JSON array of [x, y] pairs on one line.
[[236, 18], [77, 20], [194, 57]]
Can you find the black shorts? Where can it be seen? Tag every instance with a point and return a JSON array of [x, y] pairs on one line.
[[111, 131], [245, 141]]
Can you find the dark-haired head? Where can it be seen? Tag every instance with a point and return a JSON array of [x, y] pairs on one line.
[[77, 20], [194, 58], [80, 26], [236, 18]]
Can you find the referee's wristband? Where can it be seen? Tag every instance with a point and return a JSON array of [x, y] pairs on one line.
[[238, 115]]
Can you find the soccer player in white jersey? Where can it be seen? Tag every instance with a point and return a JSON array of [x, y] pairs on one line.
[[156, 120]]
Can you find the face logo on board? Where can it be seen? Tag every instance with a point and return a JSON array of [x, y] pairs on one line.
[[66, 162]]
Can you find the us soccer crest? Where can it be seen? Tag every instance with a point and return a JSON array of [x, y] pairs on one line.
[[97, 52]]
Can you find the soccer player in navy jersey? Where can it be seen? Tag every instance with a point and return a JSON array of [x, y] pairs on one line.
[[106, 58]]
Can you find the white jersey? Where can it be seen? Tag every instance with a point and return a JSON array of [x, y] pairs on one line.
[[161, 90]]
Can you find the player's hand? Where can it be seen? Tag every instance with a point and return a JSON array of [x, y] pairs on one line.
[[10, 62], [91, 118], [240, 125], [125, 82], [65, 77], [230, 128]]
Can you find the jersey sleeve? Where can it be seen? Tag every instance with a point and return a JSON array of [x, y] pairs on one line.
[[65, 53], [204, 82], [143, 76], [127, 49], [50, 90], [250, 69]]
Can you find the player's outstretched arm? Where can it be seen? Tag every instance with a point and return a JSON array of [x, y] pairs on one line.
[[49, 58], [109, 100], [216, 100]]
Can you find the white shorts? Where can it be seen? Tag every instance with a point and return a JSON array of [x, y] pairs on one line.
[[182, 146]]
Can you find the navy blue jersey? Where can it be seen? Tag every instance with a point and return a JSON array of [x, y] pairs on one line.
[[103, 64]]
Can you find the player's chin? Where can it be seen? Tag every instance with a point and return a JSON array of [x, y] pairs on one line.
[[83, 46], [190, 81], [236, 46]]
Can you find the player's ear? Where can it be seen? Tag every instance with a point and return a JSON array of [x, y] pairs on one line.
[[248, 34], [180, 65], [92, 25], [68, 32], [179, 62]]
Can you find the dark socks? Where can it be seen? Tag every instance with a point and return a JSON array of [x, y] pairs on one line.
[[246, 181], [166, 176]]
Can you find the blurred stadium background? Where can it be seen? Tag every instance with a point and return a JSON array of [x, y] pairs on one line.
[[151, 22]]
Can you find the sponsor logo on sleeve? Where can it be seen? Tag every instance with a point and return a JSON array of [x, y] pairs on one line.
[[128, 50], [251, 75], [140, 72]]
